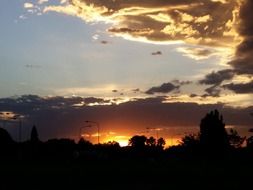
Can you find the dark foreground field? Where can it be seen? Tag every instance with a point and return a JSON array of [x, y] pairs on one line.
[[138, 174]]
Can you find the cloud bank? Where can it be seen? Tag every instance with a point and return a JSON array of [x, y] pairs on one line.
[[213, 27], [60, 117], [164, 88], [205, 22], [242, 63]]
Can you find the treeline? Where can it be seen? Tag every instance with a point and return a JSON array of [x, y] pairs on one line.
[[213, 140]]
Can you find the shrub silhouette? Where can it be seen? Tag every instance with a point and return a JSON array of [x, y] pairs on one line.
[[213, 135]]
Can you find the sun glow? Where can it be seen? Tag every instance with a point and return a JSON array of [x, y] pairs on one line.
[[123, 142], [172, 142], [9, 116], [121, 139]]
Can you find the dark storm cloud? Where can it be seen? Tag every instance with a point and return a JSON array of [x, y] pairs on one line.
[[243, 62], [206, 22], [164, 88], [241, 88], [92, 100], [216, 78]]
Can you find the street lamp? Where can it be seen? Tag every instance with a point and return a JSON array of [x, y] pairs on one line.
[[156, 129], [81, 128], [98, 127], [19, 117]]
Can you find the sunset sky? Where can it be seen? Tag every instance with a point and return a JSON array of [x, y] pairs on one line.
[[127, 64]]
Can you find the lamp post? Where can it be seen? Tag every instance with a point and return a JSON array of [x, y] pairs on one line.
[[81, 128], [98, 127], [251, 129], [19, 117], [156, 129]]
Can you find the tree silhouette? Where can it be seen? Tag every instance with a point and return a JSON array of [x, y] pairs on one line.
[[5, 137], [190, 141], [213, 135], [138, 141], [84, 142], [34, 135], [235, 139], [151, 141], [249, 142], [111, 144], [6, 143], [161, 142]]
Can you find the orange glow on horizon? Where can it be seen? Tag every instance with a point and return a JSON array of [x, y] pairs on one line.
[[172, 142], [121, 139], [123, 143], [119, 131]]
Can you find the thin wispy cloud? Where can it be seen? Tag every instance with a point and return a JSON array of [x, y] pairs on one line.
[[196, 52]]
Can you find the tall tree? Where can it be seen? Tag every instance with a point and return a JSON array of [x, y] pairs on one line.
[[213, 135], [34, 135]]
